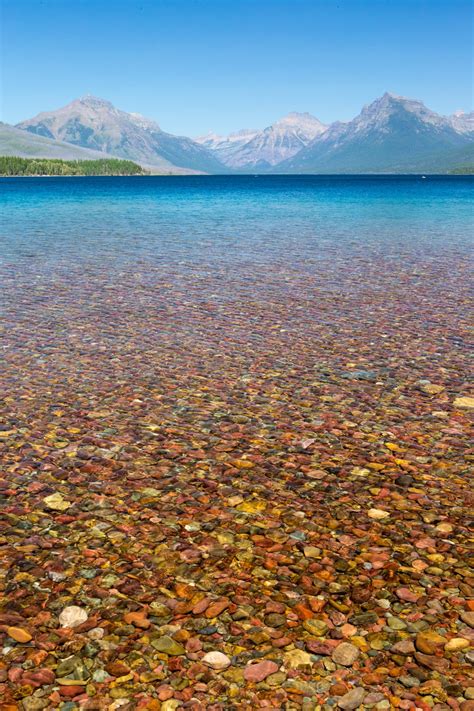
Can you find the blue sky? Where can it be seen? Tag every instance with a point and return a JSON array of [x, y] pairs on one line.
[[197, 65]]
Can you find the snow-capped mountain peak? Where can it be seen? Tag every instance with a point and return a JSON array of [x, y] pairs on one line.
[[304, 122], [252, 149], [392, 133], [463, 122]]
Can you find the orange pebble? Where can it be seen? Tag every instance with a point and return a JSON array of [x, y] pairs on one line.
[[19, 634]]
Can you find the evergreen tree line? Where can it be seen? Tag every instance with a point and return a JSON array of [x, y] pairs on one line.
[[14, 165]]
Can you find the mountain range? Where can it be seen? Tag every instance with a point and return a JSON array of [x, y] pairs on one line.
[[392, 134], [96, 124], [262, 150]]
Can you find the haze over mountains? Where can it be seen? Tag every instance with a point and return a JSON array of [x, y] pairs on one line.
[[391, 134]]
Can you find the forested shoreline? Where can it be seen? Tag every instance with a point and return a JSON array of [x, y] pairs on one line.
[[16, 166]]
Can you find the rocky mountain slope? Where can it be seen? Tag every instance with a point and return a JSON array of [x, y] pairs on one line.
[[392, 134], [463, 122], [94, 123], [14, 142]]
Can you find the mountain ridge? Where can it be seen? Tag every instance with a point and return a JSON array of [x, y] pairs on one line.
[[92, 122], [390, 134]]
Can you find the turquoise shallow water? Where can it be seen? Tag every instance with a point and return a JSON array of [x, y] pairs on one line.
[[234, 239], [326, 246], [69, 222]]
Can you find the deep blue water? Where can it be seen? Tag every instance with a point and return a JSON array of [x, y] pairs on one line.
[[71, 223]]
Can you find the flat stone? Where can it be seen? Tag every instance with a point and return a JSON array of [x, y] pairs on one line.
[[428, 641], [404, 480], [405, 646], [19, 634], [276, 679], [312, 552], [297, 658], [137, 619], [215, 608], [432, 662], [317, 628], [72, 671], [56, 502], [432, 389], [374, 697], [352, 700], [297, 686], [38, 677], [169, 646], [117, 668], [33, 703], [364, 619], [345, 654], [72, 616], [468, 617], [274, 619], [260, 671], [243, 464], [407, 595], [395, 623], [464, 402], [315, 646], [170, 705]]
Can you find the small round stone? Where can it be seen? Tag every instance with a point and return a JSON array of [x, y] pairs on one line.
[[378, 514], [72, 616], [456, 644], [216, 660]]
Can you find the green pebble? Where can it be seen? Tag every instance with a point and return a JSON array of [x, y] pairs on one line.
[[169, 646]]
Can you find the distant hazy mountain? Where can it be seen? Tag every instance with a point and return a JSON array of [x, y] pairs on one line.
[[252, 149], [226, 147], [392, 134], [94, 123], [14, 142]]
